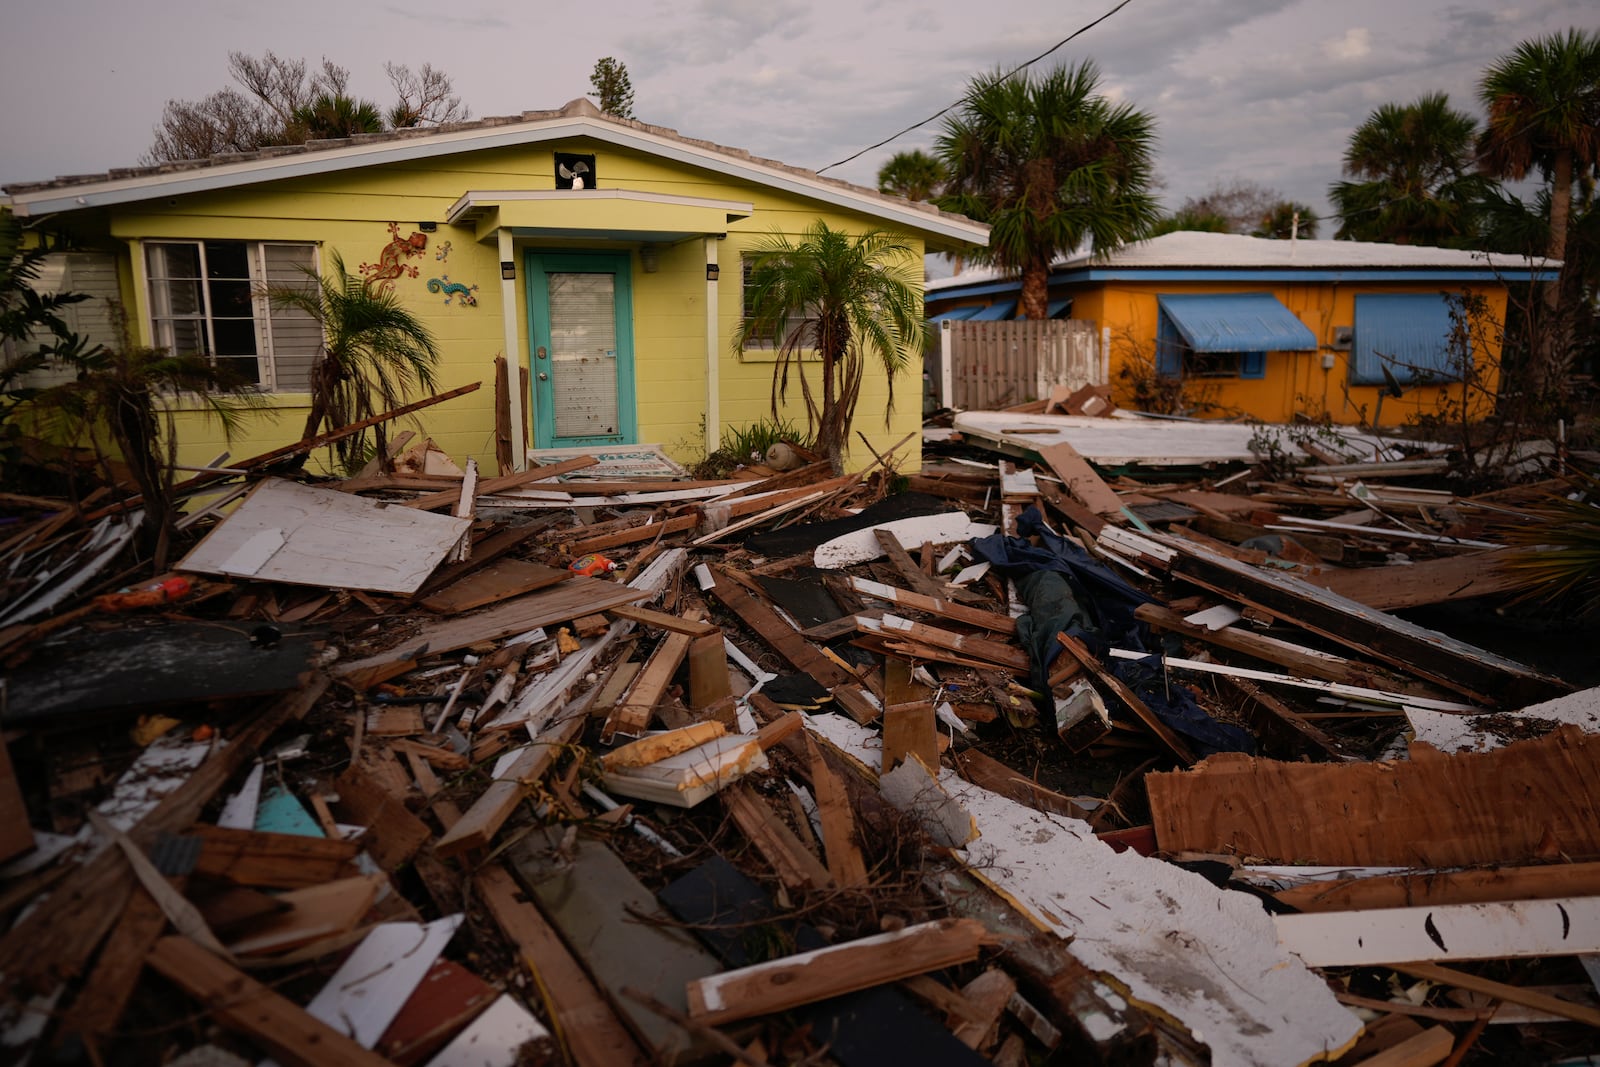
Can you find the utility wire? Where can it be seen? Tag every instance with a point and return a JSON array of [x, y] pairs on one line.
[[941, 113]]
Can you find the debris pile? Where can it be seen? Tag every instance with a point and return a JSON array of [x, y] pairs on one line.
[[1096, 739]]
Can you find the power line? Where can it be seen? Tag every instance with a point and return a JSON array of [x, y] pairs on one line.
[[942, 112]]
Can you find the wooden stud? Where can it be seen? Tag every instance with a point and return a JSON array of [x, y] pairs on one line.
[[845, 862], [910, 729], [796, 866]]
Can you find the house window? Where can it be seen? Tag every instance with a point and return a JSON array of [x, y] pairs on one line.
[[1409, 336], [753, 342], [1176, 359], [208, 297]]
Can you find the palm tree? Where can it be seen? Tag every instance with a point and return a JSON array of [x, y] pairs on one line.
[[914, 175], [1049, 164], [373, 352], [852, 300], [1544, 112], [1417, 184], [333, 115]]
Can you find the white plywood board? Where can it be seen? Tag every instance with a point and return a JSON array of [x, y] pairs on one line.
[[1202, 955], [300, 534], [493, 1038], [371, 986], [1478, 733], [1443, 933], [861, 546]]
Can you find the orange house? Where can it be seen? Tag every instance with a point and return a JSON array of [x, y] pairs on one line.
[[1361, 332]]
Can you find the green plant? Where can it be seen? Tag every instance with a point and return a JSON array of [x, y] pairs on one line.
[[853, 300], [1554, 553], [1049, 164], [1145, 388], [373, 352], [744, 445]]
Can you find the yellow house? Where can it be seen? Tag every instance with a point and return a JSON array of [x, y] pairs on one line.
[[1358, 331], [602, 255]]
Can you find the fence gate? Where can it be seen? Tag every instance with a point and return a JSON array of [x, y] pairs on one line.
[[983, 366]]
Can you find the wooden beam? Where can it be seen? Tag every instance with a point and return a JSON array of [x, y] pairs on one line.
[[796, 866], [910, 729], [633, 535], [495, 805], [490, 486], [1511, 994], [1080, 479], [778, 634], [273, 861], [1005, 655], [907, 567], [243, 1004], [663, 621], [1431, 1046], [1428, 581], [792, 981], [845, 863], [632, 714], [1510, 929], [1116, 688], [1474, 886], [580, 1015], [992, 621]]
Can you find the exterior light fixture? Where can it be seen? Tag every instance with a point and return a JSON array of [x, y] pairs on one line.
[[713, 272], [508, 271]]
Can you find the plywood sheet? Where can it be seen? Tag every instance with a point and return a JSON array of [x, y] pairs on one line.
[[299, 534], [1511, 805]]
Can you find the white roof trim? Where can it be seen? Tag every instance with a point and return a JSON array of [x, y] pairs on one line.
[[109, 193], [478, 199]]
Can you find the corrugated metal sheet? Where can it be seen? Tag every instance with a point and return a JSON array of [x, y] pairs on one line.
[[1407, 332], [1237, 322], [995, 312]]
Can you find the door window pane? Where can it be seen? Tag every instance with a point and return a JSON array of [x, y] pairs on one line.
[[583, 354]]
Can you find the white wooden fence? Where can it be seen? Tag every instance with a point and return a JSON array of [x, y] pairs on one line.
[[983, 366]]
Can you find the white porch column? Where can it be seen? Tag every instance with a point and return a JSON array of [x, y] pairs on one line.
[[513, 352], [946, 373], [713, 356]]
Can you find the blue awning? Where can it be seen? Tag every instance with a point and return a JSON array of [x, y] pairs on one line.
[[1058, 306], [1237, 322], [956, 314], [1406, 333], [995, 312]]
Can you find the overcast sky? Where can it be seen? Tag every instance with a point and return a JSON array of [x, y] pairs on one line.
[[1265, 90]]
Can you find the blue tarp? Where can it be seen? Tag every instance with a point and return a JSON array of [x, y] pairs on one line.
[[1237, 322], [1067, 591]]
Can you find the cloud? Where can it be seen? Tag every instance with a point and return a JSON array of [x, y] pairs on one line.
[[1356, 43]]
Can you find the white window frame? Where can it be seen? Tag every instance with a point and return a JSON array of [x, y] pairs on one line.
[[260, 306]]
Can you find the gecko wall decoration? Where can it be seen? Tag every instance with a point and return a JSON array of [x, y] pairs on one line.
[[450, 289], [391, 261], [444, 251]]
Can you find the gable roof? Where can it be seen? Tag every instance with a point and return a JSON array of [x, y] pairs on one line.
[[579, 118], [1188, 251]]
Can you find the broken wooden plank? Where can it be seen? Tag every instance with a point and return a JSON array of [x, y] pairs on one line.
[[996, 777], [632, 534], [1478, 885], [796, 866], [314, 913], [1502, 991], [1080, 479], [1443, 660], [661, 620], [271, 860], [1117, 688], [709, 680], [111, 983], [910, 729], [805, 978], [845, 863], [490, 486], [780, 635], [1273, 721], [1509, 805], [894, 626], [393, 834], [501, 580], [1428, 581], [300, 534], [936, 605], [632, 714], [495, 805], [588, 1026]]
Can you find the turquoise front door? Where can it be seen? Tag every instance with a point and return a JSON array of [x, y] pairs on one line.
[[580, 307]]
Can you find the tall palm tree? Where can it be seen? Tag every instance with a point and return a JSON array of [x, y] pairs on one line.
[[1049, 164], [334, 115], [373, 352], [1543, 101], [854, 300], [914, 175], [1416, 183]]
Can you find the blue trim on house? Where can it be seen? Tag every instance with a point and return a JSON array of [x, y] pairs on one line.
[[995, 312]]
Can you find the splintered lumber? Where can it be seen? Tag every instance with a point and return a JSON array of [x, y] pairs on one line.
[[901, 561], [782, 637], [1502, 991], [490, 486], [935, 605], [631, 717], [116, 970], [910, 729], [1457, 666], [273, 861], [588, 1026], [808, 977], [560, 603], [393, 833], [1117, 688], [633, 534], [796, 866], [893, 626], [1431, 1046], [495, 805], [498, 581], [1507, 929], [604, 913], [845, 863], [1510, 805], [996, 777], [242, 1004], [314, 912], [1478, 885], [661, 620], [1274, 721], [1080, 479], [54, 940], [1430, 581]]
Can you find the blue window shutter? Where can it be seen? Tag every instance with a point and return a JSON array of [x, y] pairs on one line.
[[1252, 364], [1409, 333]]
